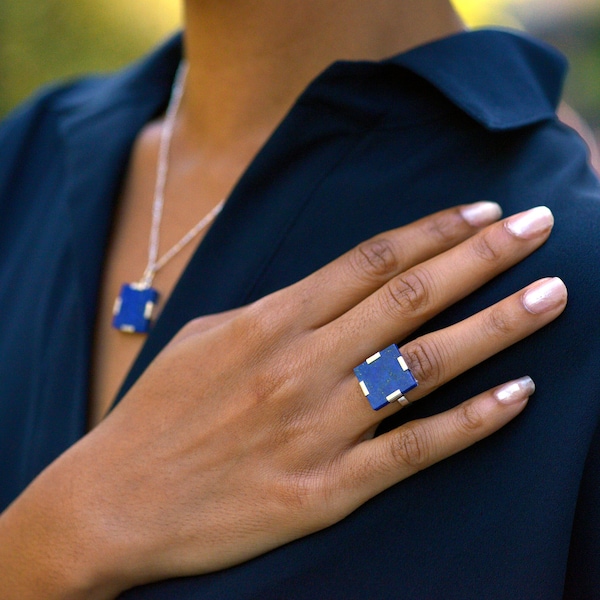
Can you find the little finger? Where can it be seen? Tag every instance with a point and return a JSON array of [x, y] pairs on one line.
[[374, 465]]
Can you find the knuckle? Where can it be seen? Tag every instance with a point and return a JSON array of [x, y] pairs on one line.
[[275, 381], [407, 293], [498, 323], [272, 371], [425, 362], [302, 491], [292, 423], [410, 449], [260, 321], [293, 492], [468, 418], [192, 327], [266, 385], [443, 228], [375, 259], [484, 248]]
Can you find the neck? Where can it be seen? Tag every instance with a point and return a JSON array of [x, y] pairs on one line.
[[249, 60]]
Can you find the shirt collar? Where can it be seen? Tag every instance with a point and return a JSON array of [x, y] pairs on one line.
[[453, 65], [517, 83], [502, 79]]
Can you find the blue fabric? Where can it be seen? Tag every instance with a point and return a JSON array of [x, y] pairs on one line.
[[367, 147]]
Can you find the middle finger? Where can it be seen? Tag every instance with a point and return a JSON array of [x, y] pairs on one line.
[[412, 298]]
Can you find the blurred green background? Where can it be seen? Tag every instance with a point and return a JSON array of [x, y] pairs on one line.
[[56, 39]]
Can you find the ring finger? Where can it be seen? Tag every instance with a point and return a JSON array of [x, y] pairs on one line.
[[438, 357]]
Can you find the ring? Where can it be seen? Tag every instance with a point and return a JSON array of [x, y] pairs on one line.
[[385, 378]]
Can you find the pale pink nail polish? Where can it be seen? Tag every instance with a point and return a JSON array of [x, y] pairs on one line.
[[481, 213], [545, 295], [530, 224], [515, 391]]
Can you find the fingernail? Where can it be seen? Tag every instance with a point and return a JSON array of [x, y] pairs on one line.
[[515, 391], [482, 213], [545, 295], [530, 224]]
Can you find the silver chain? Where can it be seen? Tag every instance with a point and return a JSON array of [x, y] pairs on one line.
[[166, 135]]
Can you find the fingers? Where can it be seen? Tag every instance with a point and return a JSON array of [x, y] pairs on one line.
[[440, 356], [340, 285], [413, 297], [374, 465]]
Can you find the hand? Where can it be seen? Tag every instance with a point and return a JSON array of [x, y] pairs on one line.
[[250, 430]]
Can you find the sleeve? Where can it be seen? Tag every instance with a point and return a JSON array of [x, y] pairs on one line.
[[16, 133], [577, 198], [21, 133]]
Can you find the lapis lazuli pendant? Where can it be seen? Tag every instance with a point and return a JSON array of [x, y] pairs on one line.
[[133, 308]]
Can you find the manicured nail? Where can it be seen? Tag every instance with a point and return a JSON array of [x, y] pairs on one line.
[[482, 213], [530, 224], [515, 391], [545, 295]]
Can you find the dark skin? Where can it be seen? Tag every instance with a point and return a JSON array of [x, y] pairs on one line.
[[189, 475], [239, 87]]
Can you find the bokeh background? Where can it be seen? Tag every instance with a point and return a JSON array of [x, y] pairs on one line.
[[57, 39]]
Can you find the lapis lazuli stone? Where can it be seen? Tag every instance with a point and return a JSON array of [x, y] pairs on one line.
[[385, 377], [133, 308]]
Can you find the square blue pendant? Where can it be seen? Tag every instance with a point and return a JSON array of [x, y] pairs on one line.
[[385, 377], [133, 308]]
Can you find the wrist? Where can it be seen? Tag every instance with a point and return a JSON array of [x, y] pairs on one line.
[[47, 550]]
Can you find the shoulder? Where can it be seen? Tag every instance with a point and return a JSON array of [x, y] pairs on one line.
[[503, 79], [30, 122], [72, 119], [144, 82]]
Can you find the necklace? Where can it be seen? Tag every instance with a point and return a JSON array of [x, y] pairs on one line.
[[132, 311]]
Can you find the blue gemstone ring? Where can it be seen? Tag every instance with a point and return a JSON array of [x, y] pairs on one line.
[[385, 378]]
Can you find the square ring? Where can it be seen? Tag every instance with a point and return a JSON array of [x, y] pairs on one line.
[[385, 378]]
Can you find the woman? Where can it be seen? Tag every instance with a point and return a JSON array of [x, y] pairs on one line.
[[248, 428]]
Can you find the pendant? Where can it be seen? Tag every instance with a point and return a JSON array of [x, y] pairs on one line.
[[133, 308]]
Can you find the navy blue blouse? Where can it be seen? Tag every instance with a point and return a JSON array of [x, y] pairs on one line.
[[367, 147]]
